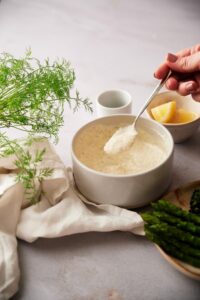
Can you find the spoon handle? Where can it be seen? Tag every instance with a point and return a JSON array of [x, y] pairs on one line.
[[155, 91]]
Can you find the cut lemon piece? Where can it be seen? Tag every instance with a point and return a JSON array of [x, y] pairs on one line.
[[164, 113], [183, 116]]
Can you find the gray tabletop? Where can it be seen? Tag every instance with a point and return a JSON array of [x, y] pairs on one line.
[[108, 266], [111, 44]]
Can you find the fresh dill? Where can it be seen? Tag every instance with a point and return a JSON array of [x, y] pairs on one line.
[[32, 99], [32, 95]]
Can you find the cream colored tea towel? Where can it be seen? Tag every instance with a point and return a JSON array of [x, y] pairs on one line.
[[61, 211]]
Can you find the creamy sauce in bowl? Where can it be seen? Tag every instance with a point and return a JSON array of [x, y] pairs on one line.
[[147, 152]]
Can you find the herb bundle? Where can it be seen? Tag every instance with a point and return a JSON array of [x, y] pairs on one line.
[[32, 99]]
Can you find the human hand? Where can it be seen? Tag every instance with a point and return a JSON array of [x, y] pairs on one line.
[[185, 66]]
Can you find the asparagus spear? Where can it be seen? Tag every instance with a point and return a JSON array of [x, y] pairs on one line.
[[171, 249], [163, 205], [195, 202], [173, 232], [183, 247], [159, 216]]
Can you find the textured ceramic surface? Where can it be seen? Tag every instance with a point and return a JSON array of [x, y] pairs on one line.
[[180, 132], [127, 190]]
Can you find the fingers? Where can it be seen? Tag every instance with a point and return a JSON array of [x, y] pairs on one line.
[[196, 94], [184, 52], [186, 88], [186, 64], [172, 83], [195, 49], [162, 71]]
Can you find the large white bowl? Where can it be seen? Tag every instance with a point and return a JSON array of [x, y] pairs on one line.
[[128, 191]]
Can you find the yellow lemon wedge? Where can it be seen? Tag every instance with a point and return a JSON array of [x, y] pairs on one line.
[[183, 116], [164, 113]]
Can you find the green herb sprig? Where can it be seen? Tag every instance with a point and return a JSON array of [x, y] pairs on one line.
[[26, 163], [32, 99], [32, 95]]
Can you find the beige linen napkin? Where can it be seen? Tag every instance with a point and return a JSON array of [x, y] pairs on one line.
[[62, 210]]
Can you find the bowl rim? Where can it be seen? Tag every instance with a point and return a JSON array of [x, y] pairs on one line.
[[173, 124], [107, 108], [102, 174]]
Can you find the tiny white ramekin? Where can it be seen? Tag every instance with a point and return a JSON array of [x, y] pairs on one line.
[[113, 102]]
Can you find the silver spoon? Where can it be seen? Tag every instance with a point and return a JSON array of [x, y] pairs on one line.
[[125, 136]]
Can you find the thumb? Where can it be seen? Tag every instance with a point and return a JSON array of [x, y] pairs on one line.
[[184, 64]]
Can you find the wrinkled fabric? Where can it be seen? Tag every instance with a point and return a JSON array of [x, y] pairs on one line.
[[61, 211], [10, 209]]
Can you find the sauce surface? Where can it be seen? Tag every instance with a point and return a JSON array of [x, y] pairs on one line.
[[147, 151]]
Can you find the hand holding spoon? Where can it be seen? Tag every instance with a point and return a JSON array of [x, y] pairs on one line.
[[123, 138]]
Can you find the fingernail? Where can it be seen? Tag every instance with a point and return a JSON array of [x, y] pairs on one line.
[[189, 87], [171, 57]]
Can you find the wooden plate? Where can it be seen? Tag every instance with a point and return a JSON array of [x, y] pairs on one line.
[[181, 197]]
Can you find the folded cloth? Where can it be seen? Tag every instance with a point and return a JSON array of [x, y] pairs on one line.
[[61, 211]]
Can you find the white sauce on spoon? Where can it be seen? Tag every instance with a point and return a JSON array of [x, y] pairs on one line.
[[121, 140]]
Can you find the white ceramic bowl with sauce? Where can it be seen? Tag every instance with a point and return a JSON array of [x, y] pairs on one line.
[[128, 191], [180, 131]]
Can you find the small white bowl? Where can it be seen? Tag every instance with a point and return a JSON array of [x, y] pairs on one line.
[[128, 191], [113, 102], [180, 131]]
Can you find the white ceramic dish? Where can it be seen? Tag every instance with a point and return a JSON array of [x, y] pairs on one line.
[[113, 102], [128, 191], [182, 131]]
